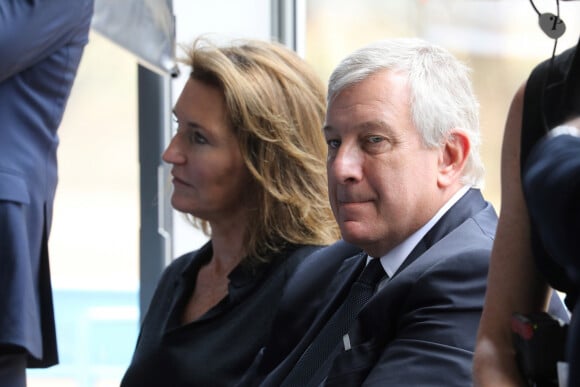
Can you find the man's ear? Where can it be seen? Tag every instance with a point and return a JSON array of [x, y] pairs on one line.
[[452, 158]]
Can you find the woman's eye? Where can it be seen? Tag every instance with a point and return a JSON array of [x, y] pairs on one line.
[[198, 138], [333, 144]]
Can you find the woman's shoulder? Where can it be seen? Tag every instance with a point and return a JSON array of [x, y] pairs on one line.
[[319, 258], [291, 256], [299, 252]]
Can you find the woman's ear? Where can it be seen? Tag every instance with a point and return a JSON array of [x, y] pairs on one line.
[[453, 158]]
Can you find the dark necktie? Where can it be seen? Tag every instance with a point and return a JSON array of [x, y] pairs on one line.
[[315, 359]]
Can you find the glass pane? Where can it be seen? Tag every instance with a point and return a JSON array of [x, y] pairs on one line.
[[94, 240]]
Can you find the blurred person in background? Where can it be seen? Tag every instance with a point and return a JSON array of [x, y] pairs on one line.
[[537, 246], [248, 165], [41, 44]]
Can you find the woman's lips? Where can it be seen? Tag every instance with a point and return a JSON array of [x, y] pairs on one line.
[[177, 180]]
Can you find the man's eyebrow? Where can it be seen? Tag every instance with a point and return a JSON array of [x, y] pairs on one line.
[[372, 124]]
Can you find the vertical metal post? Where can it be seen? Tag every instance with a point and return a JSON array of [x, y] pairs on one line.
[[154, 122], [288, 23], [283, 12]]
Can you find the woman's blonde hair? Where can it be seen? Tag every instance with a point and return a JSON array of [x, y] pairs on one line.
[[275, 104]]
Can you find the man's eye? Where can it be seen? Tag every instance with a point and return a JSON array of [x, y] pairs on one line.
[[374, 139]]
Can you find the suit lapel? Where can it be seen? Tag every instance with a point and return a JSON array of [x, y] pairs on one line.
[[317, 288], [341, 283], [335, 295], [470, 204]]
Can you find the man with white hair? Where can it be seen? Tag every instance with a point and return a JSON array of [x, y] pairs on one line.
[[403, 169]]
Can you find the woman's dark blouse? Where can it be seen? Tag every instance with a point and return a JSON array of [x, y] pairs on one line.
[[217, 348]]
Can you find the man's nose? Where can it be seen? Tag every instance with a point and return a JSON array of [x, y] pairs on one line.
[[346, 166]]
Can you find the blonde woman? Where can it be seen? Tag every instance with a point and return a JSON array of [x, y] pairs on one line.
[[249, 165]]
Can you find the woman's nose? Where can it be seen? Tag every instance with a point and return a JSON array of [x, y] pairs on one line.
[[173, 153]]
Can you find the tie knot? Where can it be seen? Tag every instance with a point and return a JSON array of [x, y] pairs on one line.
[[372, 273]]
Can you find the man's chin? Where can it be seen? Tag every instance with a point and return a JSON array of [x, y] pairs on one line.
[[355, 233]]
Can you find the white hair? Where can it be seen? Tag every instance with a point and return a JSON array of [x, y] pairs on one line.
[[442, 97]]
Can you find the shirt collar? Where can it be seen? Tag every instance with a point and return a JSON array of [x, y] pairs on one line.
[[243, 278], [396, 256]]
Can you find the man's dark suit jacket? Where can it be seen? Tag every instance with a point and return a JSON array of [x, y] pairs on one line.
[[41, 45], [418, 329]]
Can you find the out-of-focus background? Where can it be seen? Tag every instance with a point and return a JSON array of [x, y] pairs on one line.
[[95, 241]]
